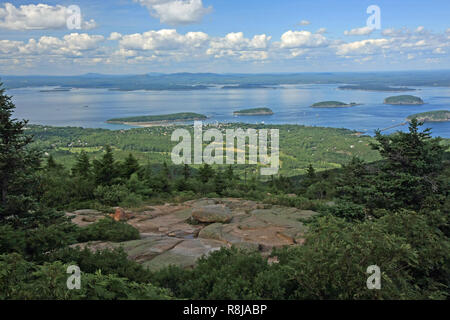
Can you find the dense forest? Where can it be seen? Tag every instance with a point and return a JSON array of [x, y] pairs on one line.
[[384, 201]]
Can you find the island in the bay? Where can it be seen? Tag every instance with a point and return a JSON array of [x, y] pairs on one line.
[[162, 119], [334, 104], [375, 87], [403, 100], [431, 116], [253, 112], [56, 90], [248, 86]]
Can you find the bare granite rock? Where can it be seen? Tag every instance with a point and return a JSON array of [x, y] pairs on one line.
[[181, 233]]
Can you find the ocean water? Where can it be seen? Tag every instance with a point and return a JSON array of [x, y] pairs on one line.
[[90, 108]]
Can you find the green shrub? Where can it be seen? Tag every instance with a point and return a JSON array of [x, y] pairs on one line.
[[107, 229], [45, 239], [11, 240], [348, 210], [113, 261], [333, 261], [23, 280], [111, 195], [224, 274]]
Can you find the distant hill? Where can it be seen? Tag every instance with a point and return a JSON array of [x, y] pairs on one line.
[[403, 100], [333, 104], [431, 116], [197, 81]]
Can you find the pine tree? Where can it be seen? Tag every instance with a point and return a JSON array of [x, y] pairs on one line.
[[130, 166], [166, 171], [229, 174], [18, 163], [412, 163], [219, 182], [105, 169], [82, 167], [186, 172], [205, 173], [311, 173]]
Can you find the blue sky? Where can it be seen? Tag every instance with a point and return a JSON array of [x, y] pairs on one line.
[[139, 36]]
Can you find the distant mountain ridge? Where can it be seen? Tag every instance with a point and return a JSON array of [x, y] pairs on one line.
[[195, 81]]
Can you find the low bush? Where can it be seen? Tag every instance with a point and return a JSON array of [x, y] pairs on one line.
[[107, 229]]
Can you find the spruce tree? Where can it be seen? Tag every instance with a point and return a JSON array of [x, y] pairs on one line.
[[205, 173], [412, 164], [311, 173], [186, 172], [18, 162], [130, 166], [105, 169], [82, 167], [52, 164]]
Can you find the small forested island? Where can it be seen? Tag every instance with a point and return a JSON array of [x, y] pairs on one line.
[[56, 90], [371, 87], [158, 119], [248, 86], [253, 112], [431, 116], [334, 104], [403, 100], [158, 87]]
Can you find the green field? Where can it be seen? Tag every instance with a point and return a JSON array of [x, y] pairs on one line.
[[325, 148]]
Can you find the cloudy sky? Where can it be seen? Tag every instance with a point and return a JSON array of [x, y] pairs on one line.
[[140, 36]]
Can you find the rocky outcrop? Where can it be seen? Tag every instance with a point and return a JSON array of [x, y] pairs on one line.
[[180, 234], [212, 213], [85, 217]]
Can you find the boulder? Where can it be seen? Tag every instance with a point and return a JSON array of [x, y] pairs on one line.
[[212, 213], [119, 215]]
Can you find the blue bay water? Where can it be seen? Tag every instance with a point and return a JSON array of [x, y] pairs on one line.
[[90, 108]]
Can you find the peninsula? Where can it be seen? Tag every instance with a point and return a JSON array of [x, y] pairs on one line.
[[155, 120], [431, 116]]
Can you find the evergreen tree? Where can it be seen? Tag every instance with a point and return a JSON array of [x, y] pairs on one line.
[[82, 167], [229, 174], [52, 164], [129, 166], [205, 173], [219, 182], [412, 164], [311, 173], [186, 172], [105, 170], [18, 163], [166, 171]]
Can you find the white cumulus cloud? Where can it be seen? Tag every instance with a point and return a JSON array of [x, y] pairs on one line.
[[304, 23], [164, 39], [359, 31], [39, 16], [302, 39], [176, 12], [235, 44]]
